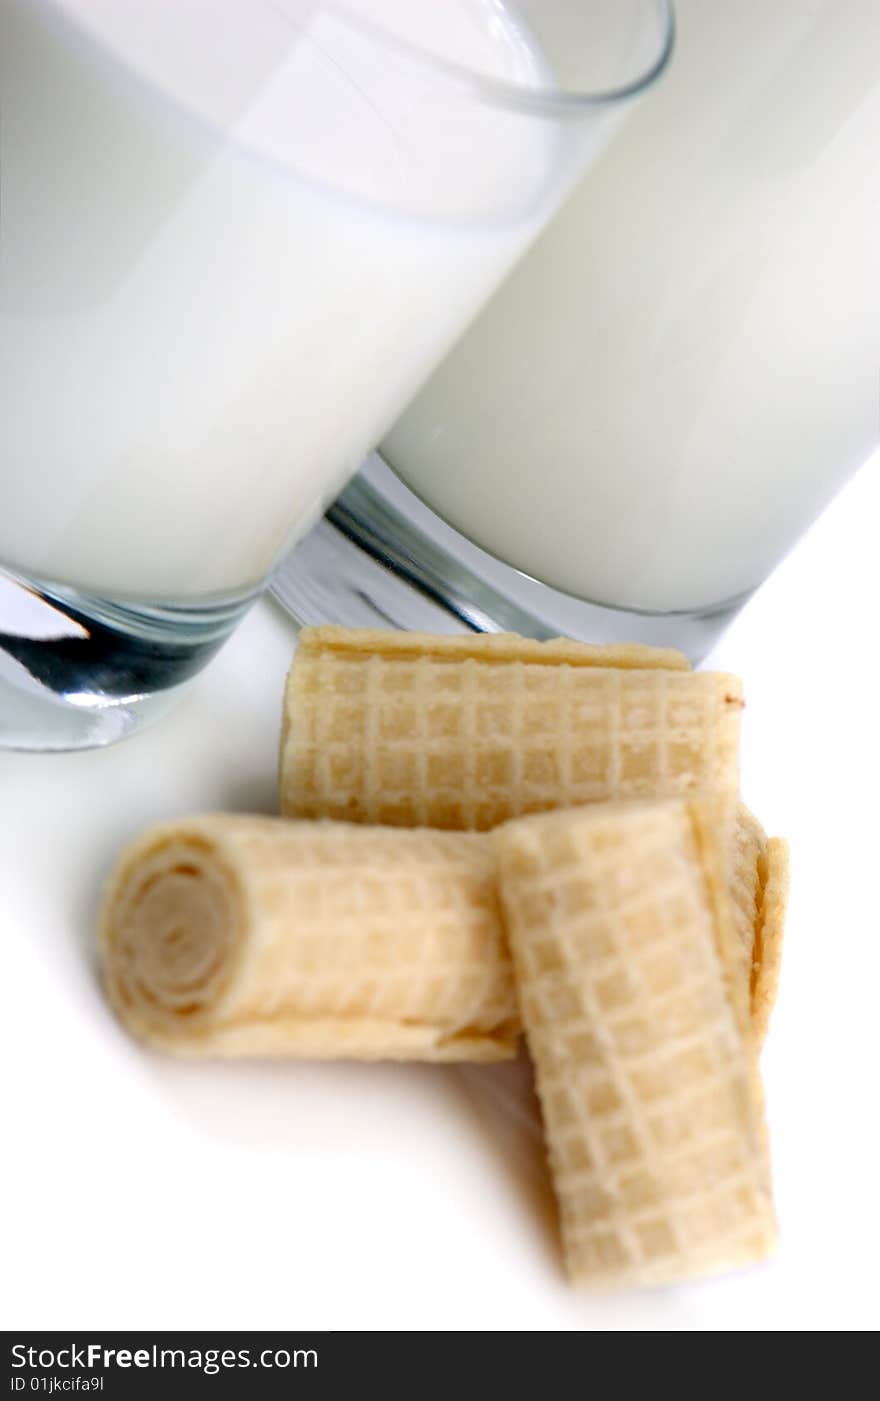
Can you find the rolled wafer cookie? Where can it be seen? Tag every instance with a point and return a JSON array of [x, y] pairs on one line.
[[637, 1018], [769, 929], [246, 936], [255, 936], [757, 878], [463, 733]]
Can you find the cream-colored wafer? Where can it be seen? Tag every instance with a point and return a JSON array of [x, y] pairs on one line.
[[254, 936], [769, 928], [377, 727], [500, 646], [745, 842], [188, 878], [758, 883], [466, 732], [629, 977]]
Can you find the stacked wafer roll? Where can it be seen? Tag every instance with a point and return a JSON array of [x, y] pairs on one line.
[[634, 929], [467, 732], [628, 962], [254, 936]]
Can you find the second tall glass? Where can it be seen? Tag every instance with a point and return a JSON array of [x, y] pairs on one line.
[[675, 380]]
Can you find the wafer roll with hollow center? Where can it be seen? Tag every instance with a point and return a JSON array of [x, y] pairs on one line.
[[464, 733], [629, 973], [246, 936], [254, 936]]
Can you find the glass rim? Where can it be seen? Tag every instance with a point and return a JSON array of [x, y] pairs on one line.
[[548, 102], [531, 101]]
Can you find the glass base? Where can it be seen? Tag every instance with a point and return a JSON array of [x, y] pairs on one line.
[[381, 558], [78, 672]]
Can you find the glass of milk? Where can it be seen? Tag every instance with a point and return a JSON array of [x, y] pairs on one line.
[[680, 374], [236, 236]]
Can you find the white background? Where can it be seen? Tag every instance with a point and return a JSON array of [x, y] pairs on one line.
[[143, 1193]]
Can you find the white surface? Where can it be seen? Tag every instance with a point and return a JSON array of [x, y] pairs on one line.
[[139, 1192]]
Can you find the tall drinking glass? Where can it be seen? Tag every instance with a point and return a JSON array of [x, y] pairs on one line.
[[236, 236], [679, 375]]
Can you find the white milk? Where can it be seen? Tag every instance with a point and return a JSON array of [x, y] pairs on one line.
[[230, 249], [684, 369]]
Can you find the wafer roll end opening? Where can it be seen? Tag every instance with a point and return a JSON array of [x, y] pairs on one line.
[[171, 934]]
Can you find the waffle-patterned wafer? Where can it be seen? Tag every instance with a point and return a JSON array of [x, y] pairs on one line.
[[769, 928], [758, 868], [746, 843], [253, 936], [758, 885], [444, 964], [466, 732], [624, 944]]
